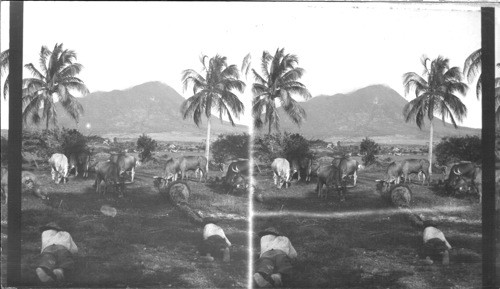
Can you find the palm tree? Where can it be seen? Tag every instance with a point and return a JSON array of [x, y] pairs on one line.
[[4, 65], [472, 67], [437, 94], [278, 82], [497, 98], [56, 80], [212, 92]]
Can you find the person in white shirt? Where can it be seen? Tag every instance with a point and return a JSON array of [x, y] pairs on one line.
[[275, 261], [215, 241], [57, 253], [436, 247]]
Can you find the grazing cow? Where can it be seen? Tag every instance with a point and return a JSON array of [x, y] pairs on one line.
[[126, 163], [414, 166], [193, 163], [331, 177], [109, 172], [299, 164], [172, 170], [59, 165], [281, 172], [320, 162], [398, 195], [29, 182], [348, 167], [80, 160], [394, 172]]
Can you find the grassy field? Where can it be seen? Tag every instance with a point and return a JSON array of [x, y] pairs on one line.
[[363, 242], [148, 244]]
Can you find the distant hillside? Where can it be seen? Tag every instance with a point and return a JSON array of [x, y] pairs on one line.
[[373, 111], [152, 107]]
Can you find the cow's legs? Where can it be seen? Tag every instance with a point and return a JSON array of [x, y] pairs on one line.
[[275, 178], [355, 175], [53, 173], [132, 174]]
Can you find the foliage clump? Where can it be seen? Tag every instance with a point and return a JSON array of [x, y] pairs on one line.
[[230, 146], [370, 148], [286, 145], [460, 148], [146, 145]]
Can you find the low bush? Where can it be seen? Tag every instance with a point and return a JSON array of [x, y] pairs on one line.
[[268, 147], [146, 145], [370, 148], [230, 146], [461, 148]]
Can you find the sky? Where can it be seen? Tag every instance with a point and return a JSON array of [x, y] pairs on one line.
[[342, 46]]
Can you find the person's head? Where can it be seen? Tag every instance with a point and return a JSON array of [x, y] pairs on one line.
[[435, 248], [269, 231], [50, 226]]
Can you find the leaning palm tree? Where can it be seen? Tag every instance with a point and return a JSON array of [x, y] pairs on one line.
[[4, 66], [212, 92], [56, 80], [436, 94], [277, 84]]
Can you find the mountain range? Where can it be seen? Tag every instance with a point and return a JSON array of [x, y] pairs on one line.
[[153, 108], [373, 111]]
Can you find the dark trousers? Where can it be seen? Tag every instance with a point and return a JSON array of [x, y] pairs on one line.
[[56, 257], [214, 245], [274, 261]]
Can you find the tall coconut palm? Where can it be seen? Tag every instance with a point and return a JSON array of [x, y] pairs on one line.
[[436, 94], [4, 66], [56, 80], [212, 92], [277, 84]]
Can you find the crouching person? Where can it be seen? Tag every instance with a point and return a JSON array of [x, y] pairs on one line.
[[215, 242], [56, 257], [274, 263], [436, 247]]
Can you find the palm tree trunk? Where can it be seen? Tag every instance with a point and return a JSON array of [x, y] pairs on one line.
[[269, 131], [47, 123], [430, 148], [207, 146]]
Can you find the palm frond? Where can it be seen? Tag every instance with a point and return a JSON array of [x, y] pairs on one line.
[[472, 65], [32, 69]]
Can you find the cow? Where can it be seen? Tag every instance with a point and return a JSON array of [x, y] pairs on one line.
[[414, 166], [237, 174], [463, 177], [29, 182], [110, 173], [171, 172], [330, 176], [281, 172], [348, 167], [320, 162], [59, 168], [193, 163], [394, 172], [126, 163], [301, 164], [80, 160]]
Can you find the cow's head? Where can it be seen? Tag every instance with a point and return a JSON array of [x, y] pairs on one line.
[[159, 182], [382, 187]]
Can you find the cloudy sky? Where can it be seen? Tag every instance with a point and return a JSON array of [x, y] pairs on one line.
[[342, 46]]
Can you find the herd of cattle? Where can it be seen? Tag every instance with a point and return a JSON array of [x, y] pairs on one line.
[[333, 173]]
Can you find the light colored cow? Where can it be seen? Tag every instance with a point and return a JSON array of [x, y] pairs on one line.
[[60, 168], [281, 172]]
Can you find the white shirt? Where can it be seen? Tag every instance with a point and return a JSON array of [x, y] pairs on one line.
[[212, 230], [431, 233], [53, 237], [272, 242]]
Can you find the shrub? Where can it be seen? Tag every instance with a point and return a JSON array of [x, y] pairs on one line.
[[370, 147], [455, 149], [269, 147], [146, 145], [230, 146], [72, 141]]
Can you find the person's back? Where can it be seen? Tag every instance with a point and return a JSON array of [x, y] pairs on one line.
[[215, 242]]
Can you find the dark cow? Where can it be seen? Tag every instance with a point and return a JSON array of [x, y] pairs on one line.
[[331, 177], [301, 164], [281, 172], [348, 167], [237, 172], [109, 172], [464, 177], [80, 160], [193, 163], [126, 163], [394, 172], [414, 166], [398, 195]]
